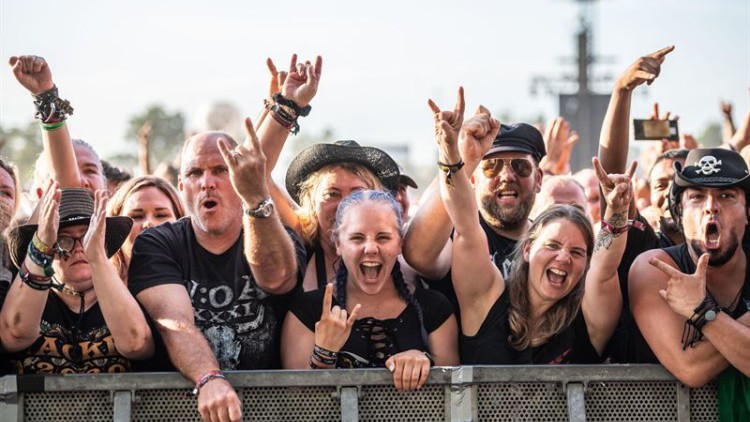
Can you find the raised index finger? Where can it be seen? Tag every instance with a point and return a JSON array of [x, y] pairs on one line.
[[659, 54], [327, 301], [631, 170], [251, 141], [665, 268], [460, 103], [601, 174]]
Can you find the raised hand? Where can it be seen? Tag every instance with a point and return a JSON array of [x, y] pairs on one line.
[[301, 84], [684, 292], [726, 108], [277, 78], [49, 218], [447, 125], [617, 188], [559, 142], [477, 135], [32, 72], [334, 327], [645, 69], [247, 167], [410, 369], [93, 240]]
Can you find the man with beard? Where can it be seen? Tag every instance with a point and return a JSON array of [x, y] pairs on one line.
[[506, 180], [691, 301]]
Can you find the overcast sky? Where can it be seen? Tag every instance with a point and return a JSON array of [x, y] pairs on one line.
[[382, 60]]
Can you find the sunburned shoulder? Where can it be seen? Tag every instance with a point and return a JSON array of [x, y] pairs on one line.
[[643, 274]]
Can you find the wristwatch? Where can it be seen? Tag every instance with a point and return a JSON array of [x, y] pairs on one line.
[[712, 313], [263, 210]]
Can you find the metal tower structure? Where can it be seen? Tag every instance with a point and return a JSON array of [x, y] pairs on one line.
[[578, 102]]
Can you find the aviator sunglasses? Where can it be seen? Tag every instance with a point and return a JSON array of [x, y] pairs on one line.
[[520, 166]]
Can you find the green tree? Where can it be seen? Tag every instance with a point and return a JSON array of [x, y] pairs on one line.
[[167, 132], [711, 135], [22, 145]]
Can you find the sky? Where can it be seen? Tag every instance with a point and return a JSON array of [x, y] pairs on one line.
[[382, 60]]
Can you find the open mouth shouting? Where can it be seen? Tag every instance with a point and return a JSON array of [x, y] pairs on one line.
[[712, 236], [371, 270], [557, 277], [208, 204]]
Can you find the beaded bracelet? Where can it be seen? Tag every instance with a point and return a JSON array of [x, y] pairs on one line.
[[41, 259], [208, 376]]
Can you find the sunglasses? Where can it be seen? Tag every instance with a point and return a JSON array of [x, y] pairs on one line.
[[494, 166]]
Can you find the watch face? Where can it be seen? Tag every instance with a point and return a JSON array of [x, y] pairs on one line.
[[710, 315], [266, 210]]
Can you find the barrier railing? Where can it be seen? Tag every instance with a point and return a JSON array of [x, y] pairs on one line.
[[484, 393]]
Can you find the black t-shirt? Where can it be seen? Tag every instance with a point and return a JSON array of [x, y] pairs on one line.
[[501, 251], [641, 238], [240, 320], [490, 346], [71, 343], [373, 341], [681, 256]]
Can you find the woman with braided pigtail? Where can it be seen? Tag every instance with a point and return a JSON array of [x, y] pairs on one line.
[[373, 319]]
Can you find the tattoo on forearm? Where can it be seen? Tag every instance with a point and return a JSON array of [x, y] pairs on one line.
[[603, 240], [605, 237], [618, 220]]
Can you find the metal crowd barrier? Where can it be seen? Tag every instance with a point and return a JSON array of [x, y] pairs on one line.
[[478, 393]]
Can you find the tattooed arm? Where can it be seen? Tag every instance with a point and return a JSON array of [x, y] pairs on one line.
[[602, 300]]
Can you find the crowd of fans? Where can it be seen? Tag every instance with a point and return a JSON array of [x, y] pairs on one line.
[[507, 259]]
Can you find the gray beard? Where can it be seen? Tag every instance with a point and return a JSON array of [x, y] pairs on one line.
[[508, 218]]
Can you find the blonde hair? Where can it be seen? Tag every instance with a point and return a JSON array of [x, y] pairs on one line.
[[563, 312], [308, 198], [117, 203]]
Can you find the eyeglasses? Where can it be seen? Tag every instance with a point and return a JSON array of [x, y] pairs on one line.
[[520, 166], [66, 244]]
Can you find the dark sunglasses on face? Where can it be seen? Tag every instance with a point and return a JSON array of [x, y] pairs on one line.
[[494, 166]]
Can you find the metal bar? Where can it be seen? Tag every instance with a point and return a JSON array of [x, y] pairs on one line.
[[10, 410], [349, 404], [571, 373], [463, 395], [576, 402], [122, 406], [333, 378], [683, 403]]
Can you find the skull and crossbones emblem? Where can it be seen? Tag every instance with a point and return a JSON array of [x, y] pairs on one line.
[[708, 165]]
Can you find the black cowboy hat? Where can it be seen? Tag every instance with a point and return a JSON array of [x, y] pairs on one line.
[[76, 208], [317, 156], [708, 168]]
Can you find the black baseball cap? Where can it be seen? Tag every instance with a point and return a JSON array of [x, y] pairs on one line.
[[519, 137]]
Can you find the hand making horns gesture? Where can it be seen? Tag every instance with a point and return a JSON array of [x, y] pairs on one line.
[[447, 126], [617, 188], [334, 327], [247, 166]]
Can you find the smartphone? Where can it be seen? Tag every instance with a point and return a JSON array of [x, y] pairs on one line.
[[654, 130]]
